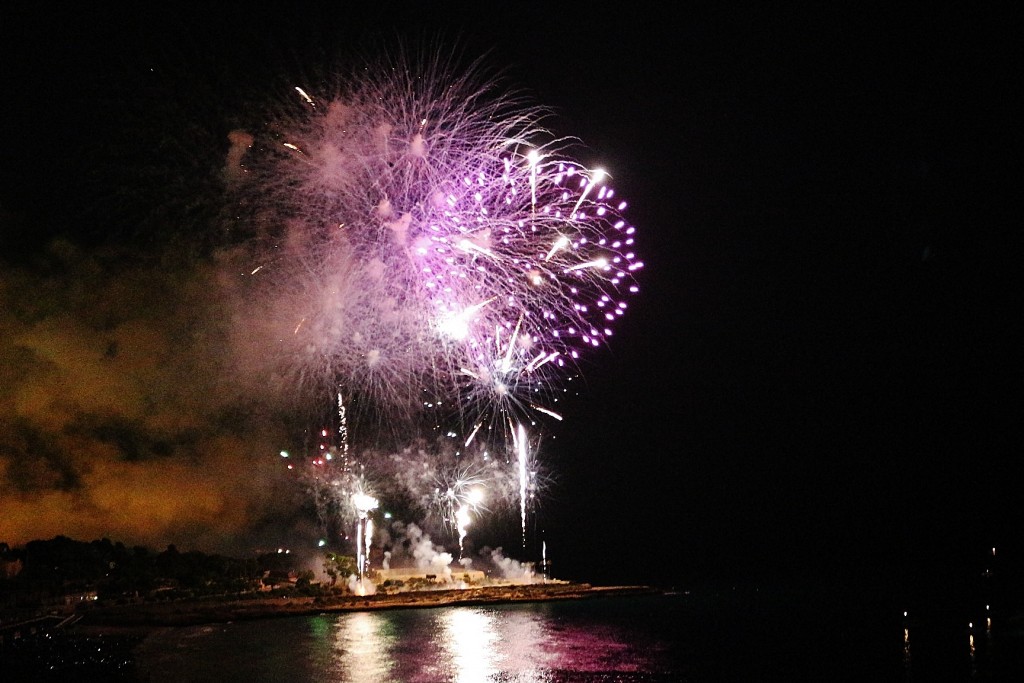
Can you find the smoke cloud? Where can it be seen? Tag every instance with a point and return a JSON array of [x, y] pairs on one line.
[[134, 405]]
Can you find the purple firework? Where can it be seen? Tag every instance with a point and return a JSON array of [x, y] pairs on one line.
[[423, 235]]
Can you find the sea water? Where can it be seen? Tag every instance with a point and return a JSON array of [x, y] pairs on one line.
[[722, 635]]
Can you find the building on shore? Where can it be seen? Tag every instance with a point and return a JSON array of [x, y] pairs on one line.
[[471, 577]]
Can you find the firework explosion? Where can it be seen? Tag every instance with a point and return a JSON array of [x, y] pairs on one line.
[[428, 246]]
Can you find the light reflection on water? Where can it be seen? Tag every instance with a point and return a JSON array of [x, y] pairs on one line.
[[458, 644], [523, 643], [362, 645], [469, 644]]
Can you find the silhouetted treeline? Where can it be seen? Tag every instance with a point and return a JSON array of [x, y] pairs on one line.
[[45, 570]]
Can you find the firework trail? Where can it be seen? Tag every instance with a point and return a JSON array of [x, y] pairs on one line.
[[521, 450], [472, 500], [363, 504]]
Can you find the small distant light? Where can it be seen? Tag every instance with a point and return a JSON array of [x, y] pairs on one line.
[[322, 543], [284, 454]]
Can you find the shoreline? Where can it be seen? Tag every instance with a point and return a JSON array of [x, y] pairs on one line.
[[128, 619]]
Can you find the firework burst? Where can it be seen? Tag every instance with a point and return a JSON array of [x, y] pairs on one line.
[[429, 244]]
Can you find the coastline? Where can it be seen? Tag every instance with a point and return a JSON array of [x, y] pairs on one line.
[[139, 618]]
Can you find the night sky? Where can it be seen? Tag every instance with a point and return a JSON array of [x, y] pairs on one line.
[[823, 368]]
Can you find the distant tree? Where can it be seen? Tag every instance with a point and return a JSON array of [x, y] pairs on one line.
[[169, 563], [62, 560], [304, 579], [336, 566]]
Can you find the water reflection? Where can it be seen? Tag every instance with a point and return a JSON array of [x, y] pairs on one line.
[[466, 644], [469, 644], [971, 648], [363, 644], [483, 643], [531, 643]]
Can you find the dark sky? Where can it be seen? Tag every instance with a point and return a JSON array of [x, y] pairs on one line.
[[823, 367]]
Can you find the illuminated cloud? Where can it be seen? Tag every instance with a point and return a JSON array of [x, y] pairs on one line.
[[123, 411]]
